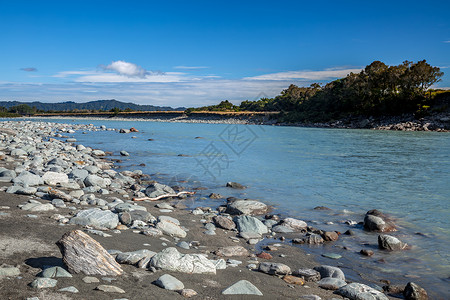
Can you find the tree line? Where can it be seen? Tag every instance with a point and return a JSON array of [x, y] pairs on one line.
[[377, 90]]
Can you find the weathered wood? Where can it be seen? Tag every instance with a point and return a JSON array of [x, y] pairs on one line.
[[81, 253], [163, 196]]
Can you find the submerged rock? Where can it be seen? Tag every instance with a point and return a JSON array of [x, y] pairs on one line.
[[388, 242]]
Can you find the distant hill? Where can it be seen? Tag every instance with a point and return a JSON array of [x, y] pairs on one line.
[[92, 105]]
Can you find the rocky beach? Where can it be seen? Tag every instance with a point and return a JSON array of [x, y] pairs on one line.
[[75, 228]]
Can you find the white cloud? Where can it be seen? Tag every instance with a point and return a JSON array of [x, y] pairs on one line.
[[305, 75], [446, 42], [126, 69], [118, 78]]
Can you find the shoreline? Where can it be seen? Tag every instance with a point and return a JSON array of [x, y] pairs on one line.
[[436, 122], [184, 215]]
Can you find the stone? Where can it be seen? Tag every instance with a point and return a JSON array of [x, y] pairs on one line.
[[377, 221], [264, 255], [330, 236], [330, 283], [110, 289], [224, 222], [235, 185], [310, 297], [94, 180], [157, 189], [307, 274], [274, 268], [98, 153], [90, 279], [57, 194], [232, 251], [247, 207], [171, 229], [171, 260], [312, 239], [293, 280], [282, 229], [390, 243], [54, 272], [220, 264], [53, 178], [8, 173], [242, 287], [132, 258], [28, 179], [96, 217], [366, 252], [331, 255], [183, 245], [124, 153], [42, 283], [9, 271], [78, 174], [69, 289], [169, 282], [250, 224], [413, 291], [329, 271], [81, 253], [359, 291], [38, 207], [187, 293], [294, 224]]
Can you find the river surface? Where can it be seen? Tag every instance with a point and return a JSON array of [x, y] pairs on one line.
[[403, 174]]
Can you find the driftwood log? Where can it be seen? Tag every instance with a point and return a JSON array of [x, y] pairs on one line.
[[81, 253], [163, 196]]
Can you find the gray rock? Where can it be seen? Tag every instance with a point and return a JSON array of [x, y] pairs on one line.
[[311, 239], [250, 224], [224, 222], [329, 271], [69, 289], [232, 251], [171, 260], [94, 180], [26, 190], [79, 174], [294, 224], [58, 203], [157, 189], [41, 283], [247, 207], [374, 220], [413, 291], [388, 242], [242, 287], [171, 229], [235, 185], [54, 272], [124, 153], [18, 152], [98, 153], [282, 229], [359, 291], [183, 245], [38, 207], [110, 289], [169, 282], [96, 217], [310, 297], [6, 270], [28, 179], [8, 173], [90, 279], [307, 274], [132, 258], [274, 268], [330, 283]]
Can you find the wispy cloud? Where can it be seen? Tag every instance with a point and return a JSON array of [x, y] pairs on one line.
[[29, 69], [446, 42], [190, 67], [305, 75]]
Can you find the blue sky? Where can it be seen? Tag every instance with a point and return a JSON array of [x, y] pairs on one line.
[[192, 53]]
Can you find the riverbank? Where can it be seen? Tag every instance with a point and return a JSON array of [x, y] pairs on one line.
[[31, 139], [439, 122]]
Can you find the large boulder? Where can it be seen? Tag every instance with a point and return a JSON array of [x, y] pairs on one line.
[[359, 291], [388, 242], [96, 217], [171, 260], [81, 253], [247, 207], [250, 224]]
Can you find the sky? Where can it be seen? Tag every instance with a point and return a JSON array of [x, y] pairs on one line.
[[195, 53]]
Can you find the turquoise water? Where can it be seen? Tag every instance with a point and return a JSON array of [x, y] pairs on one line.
[[404, 174]]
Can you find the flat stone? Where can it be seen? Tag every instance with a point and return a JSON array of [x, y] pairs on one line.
[[110, 289], [54, 272], [171, 260], [331, 255], [10, 271], [294, 224], [242, 287], [359, 291], [132, 258], [169, 282], [232, 251], [69, 289], [171, 229], [282, 229], [90, 279], [41, 283], [96, 217]]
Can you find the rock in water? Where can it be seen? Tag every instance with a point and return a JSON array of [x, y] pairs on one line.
[[414, 292], [390, 243], [81, 253], [359, 291], [329, 271], [242, 287]]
